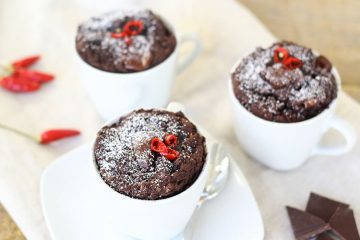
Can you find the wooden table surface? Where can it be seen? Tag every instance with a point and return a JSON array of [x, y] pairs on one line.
[[8, 229]]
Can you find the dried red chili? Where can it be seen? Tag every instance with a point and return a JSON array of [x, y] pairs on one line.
[[118, 35], [292, 63], [157, 145], [170, 140], [134, 27], [280, 54], [170, 154], [26, 62], [19, 79], [131, 28], [46, 137], [53, 135], [18, 84], [36, 76]]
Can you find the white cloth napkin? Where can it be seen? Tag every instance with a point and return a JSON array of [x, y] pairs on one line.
[[228, 31]]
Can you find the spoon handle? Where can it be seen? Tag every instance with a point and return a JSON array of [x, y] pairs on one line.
[[190, 227]]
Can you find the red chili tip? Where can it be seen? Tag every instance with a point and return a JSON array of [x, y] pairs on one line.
[[118, 35], [170, 140], [157, 145], [134, 27], [19, 84], [26, 62], [53, 135], [292, 63], [280, 54], [171, 154]]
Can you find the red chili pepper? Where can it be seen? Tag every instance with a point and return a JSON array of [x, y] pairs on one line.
[[36, 76], [157, 145], [26, 62], [53, 135], [118, 35], [292, 63], [19, 84], [171, 154], [134, 27], [280, 54], [170, 140]]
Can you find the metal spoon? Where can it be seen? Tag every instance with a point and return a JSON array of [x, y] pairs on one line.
[[219, 168]]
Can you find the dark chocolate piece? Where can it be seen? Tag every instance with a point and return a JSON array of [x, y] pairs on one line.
[[323, 63], [323, 207], [344, 225], [324, 236], [306, 225]]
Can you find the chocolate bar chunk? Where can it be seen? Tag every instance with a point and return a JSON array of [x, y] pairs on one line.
[[343, 224], [306, 225], [325, 236], [323, 207]]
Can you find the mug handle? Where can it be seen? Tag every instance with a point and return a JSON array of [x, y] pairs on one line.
[[175, 107], [190, 57], [348, 133]]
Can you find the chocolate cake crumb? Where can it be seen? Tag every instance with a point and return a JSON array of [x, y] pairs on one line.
[[127, 164], [274, 93]]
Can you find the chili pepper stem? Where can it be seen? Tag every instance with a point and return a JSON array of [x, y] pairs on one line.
[[7, 69], [14, 130]]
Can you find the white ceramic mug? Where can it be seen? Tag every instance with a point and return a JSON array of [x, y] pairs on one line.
[[285, 146], [114, 93], [148, 219]]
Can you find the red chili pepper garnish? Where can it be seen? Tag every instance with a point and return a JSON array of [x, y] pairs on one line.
[[157, 145], [170, 140], [280, 54], [19, 84], [26, 62], [118, 35], [53, 135], [292, 63], [36, 76], [131, 28], [134, 27], [171, 154], [288, 62]]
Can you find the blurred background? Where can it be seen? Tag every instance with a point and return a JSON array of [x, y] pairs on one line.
[[330, 26]]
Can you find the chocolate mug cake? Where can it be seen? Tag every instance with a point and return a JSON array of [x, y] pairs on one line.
[[125, 42], [284, 83], [150, 154]]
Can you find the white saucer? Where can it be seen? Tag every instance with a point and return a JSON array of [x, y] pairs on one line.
[[71, 211]]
